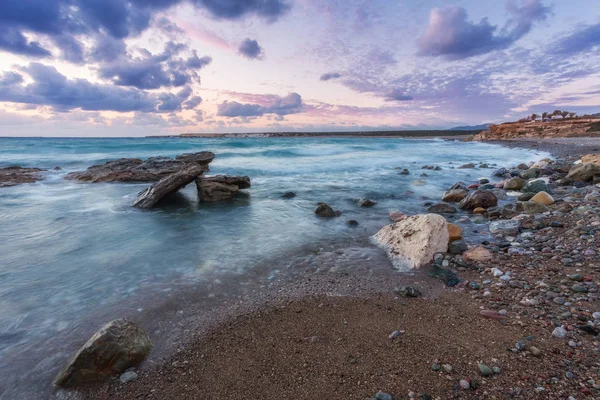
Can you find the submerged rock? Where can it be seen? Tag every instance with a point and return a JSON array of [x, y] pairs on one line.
[[366, 203], [412, 242], [479, 199], [118, 345], [168, 185], [288, 195], [12, 176], [152, 169], [325, 211], [220, 187]]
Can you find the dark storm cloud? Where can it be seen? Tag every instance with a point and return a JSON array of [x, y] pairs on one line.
[[51, 88], [290, 104], [329, 75], [452, 35], [250, 49]]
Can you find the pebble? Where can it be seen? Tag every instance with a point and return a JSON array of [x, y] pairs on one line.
[[535, 351], [496, 370], [485, 370], [559, 332], [447, 367], [436, 367], [465, 384], [394, 335], [128, 376]]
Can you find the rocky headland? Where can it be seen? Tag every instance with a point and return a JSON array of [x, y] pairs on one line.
[[546, 129]]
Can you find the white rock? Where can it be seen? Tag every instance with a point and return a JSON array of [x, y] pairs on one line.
[[559, 332], [596, 315], [497, 272], [412, 242]]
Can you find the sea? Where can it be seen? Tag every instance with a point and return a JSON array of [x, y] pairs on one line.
[[71, 250]]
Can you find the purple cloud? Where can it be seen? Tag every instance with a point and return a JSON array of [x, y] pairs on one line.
[[397, 95], [290, 104], [330, 75], [581, 40], [250, 49]]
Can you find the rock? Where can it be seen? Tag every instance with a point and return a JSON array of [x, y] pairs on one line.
[[352, 223], [325, 211], [515, 183], [485, 370], [459, 185], [128, 376], [478, 254], [118, 345], [537, 185], [408, 291], [499, 193], [530, 207], [465, 166], [505, 227], [394, 335], [479, 198], [288, 195], [135, 170], [543, 198], [455, 195], [526, 196], [559, 332], [397, 216], [543, 163], [220, 187], [522, 166], [454, 231], [501, 173], [584, 172], [412, 242], [442, 208], [457, 247], [383, 396], [447, 368], [531, 173], [465, 384], [366, 203], [12, 176], [591, 158], [487, 186], [405, 172], [479, 210], [483, 181], [167, 185], [535, 351], [496, 370]]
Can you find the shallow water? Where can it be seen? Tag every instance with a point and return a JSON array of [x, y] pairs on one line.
[[71, 249]]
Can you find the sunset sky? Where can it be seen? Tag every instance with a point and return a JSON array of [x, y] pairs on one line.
[[162, 67]]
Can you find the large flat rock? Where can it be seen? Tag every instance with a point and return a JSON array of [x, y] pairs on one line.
[[12, 176], [170, 184]]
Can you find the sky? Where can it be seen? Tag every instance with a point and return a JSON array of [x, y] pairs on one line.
[[165, 67]]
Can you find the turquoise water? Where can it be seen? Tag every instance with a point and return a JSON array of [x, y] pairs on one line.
[[70, 249]]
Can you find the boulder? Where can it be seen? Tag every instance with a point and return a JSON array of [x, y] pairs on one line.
[[537, 185], [457, 247], [442, 208], [454, 232], [515, 183], [530, 207], [168, 185], [542, 198], [455, 195], [526, 196], [505, 227], [12, 176], [288, 195], [404, 172], [325, 211], [478, 254], [522, 166], [412, 242], [591, 158], [459, 185], [499, 193], [543, 163], [584, 172], [220, 187], [117, 346], [530, 173], [152, 169], [467, 166], [366, 203], [479, 199]]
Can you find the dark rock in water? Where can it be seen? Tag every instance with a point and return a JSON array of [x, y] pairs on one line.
[[487, 186], [325, 211], [170, 184], [515, 172], [442, 208], [458, 247], [446, 275], [424, 175], [483, 181], [526, 196], [366, 203], [136, 170], [57, 168], [522, 166], [479, 198], [220, 187], [353, 223], [118, 345], [537, 185], [466, 166], [408, 291], [288, 195], [459, 185], [12, 176], [501, 173], [530, 173], [405, 172]]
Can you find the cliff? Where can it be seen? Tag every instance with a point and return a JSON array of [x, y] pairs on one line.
[[540, 130]]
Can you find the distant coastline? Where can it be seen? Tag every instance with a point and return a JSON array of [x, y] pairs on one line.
[[404, 134]]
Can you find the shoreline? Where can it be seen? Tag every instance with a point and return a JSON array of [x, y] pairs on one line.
[[164, 376]]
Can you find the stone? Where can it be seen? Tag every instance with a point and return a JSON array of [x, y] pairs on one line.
[[128, 376], [559, 332], [383, 396], [442, 208], [522, 166], [542, 198], [288, 195], [515, 183], [352, 223], [466, 166], [152, 169], [117, 346], [537, 185], [478, 254], [483, 181], [366, 203], [505, 227], [408, 291], [530, 207], [499, 193], [526, 196], [591, 158], [149, 197], [412, 242], [465, 384], [325, 211], [530, 173], [501, 173], [454, 231], [543, 163], [584, 172], [220, 187], [12, 176], [447, 368], [455, 195], [479, 199], [457, 247], [405, 172], [535, 351], [485, 370], [479, 210], [397, 216]]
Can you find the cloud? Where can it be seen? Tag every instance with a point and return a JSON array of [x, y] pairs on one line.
[[330, 75], [150, 71], [250, 49], [581, 40], [397, 95], [51, 88], [234, 9], [290, 104], [452, 35], [192, 103], [15, 42]]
